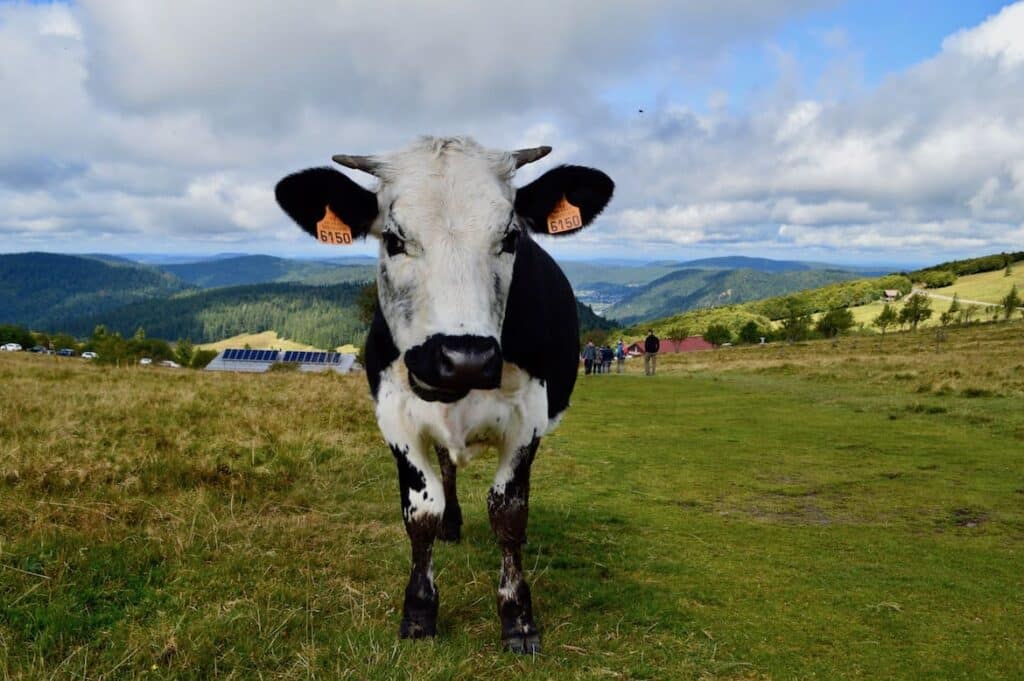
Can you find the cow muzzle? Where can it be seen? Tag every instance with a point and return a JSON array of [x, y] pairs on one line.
[[446, 368]]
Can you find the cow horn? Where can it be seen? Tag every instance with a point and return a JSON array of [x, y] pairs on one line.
[[524, 156], [365, 163]]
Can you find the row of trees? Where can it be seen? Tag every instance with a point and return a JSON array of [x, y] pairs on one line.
[[111, 347], [918, 308]]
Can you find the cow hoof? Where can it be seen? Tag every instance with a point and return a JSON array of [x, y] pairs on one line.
[[522, 644], [412, 629]]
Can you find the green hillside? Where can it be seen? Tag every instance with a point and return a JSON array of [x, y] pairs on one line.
[[323, 316], [765, 311], [692, 289], [46, 290], [262, 269]]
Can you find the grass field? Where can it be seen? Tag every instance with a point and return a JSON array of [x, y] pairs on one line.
[[987, 287], [847, 510]]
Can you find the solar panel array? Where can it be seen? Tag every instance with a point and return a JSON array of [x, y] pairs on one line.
[[312, 357], [251, 355]]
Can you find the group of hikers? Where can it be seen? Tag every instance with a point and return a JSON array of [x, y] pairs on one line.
[[598, 360]]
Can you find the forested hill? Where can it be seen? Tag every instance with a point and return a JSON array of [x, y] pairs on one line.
[[45, 290], [261, 269], [691, 289], [324, 316]]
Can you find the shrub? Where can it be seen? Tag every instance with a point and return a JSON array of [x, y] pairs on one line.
[[1010, 302], [917, 309], [200, 358], [937, 278], [886, 318], [750, 333], [835, 322], [718, 334], [12, 333]]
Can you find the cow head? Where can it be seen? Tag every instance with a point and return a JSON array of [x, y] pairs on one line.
[[449, 223]]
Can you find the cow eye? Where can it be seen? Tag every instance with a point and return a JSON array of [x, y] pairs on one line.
[[508, 244], [393, 243]]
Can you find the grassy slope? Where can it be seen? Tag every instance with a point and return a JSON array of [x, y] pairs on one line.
[[266, 340], [783, 512], [987, 287], [691, 289]]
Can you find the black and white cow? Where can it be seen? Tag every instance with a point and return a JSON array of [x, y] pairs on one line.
[[476, 340]]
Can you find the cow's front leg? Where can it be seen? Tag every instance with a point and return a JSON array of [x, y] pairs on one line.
[[422, 508], [451, 521], [508, 506]]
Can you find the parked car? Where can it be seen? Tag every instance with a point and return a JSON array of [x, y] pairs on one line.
[[38, 348], [170, 364], [145, 361], [66, 352], [10, 347], [89, 354]]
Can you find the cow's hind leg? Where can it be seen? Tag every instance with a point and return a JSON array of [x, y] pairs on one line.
[[422, 509], [451, 521], [508, 506]]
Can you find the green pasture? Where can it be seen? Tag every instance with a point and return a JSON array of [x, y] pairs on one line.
[[987, 287], [828, 510]]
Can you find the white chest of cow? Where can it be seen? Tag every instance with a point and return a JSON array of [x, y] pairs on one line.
[[516, 412]]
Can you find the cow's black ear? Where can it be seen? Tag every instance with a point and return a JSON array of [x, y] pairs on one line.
[[587, 189], [306, 195]]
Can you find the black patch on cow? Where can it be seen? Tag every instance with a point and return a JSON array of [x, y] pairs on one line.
[[409, 477], [586, 188], [451, 522], [380, 351], [305, 195], [541, 333]]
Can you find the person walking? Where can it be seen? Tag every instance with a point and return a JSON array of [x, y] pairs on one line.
[[651, 347], [620, 356], [606, 359], [589, 355]]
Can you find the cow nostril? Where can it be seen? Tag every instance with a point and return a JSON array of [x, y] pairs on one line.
[[447, 362]]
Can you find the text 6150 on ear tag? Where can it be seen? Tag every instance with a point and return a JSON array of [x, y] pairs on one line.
[[333, 230], [564, 217]]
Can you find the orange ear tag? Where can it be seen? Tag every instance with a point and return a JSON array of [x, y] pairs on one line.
[[564, 217], [333, 230]]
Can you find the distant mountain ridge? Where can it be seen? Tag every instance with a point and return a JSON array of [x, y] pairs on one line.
[[261, 269], [75, 293], [690, 289], [46, 290]]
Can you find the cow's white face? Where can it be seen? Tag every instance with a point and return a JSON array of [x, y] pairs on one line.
[[450, 224], [448, 235]]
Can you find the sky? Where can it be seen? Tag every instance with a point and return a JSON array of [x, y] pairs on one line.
[[887, 133]]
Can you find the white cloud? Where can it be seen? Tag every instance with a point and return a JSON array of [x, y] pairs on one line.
[[164, 126]]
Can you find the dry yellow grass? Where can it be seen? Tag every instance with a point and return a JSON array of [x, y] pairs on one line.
[[269, 340], [265, 340]]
